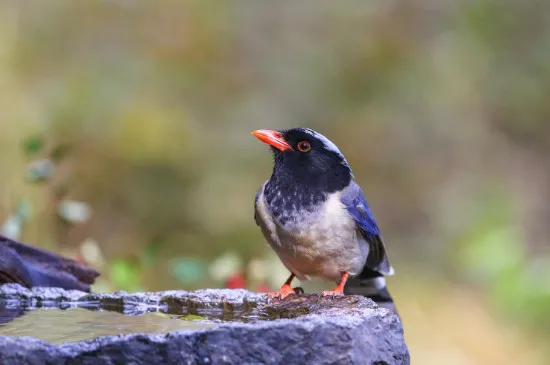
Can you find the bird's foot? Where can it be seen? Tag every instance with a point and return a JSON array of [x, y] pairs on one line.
[[338, 291], [284, 292], [332, 293]]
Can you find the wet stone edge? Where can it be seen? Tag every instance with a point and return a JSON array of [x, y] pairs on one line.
[[229, 301]]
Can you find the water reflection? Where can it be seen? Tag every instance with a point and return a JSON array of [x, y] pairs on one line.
[[8, 314], [75, 324]]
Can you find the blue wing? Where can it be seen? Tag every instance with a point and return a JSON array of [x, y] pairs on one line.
[[256, 204], [357, 206]]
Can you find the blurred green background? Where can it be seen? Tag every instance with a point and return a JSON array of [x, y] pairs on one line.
[[125, 133]]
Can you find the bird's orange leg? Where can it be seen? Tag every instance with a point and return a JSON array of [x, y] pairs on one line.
[[339, 289], [285, 290]]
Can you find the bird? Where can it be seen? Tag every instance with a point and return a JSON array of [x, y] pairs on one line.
[[317, 219]]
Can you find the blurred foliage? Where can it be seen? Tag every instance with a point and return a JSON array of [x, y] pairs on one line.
[[125, 129]]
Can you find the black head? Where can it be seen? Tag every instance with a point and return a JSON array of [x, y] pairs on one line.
[[305, 157]]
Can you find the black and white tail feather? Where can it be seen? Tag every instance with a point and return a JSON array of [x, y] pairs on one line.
[[371, 284]]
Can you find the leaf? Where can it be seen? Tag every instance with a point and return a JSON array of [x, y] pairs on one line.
[[24, 209], [72, 211], [188, 270], [33, 145], [491, 253], [124, 274], [91, 252], [12, 227], [225, 265], [149, 254], [40, 170]]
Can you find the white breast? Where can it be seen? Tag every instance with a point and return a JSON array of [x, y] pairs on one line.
[[323, 244]]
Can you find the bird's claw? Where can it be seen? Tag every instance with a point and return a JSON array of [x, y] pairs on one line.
[[284, 292], [332, 293]]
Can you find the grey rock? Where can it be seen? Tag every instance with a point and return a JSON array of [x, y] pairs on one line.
[[305, 329], [31, 267]]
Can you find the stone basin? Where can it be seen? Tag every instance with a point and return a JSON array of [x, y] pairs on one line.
[[302, 329]]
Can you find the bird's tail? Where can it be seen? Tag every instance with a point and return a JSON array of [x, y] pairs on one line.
[[371, 284]]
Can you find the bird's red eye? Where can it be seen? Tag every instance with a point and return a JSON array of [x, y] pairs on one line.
[[304, 146]]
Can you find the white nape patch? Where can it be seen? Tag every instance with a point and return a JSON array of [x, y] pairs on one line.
[[329, 145]]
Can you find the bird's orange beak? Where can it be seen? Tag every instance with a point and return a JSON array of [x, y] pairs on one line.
[[272, 138]]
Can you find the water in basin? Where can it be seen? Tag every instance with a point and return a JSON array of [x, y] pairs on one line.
[[57, 322], [57, 325]]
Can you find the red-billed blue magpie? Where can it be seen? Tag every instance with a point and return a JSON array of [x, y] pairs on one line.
[[317, 219]]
